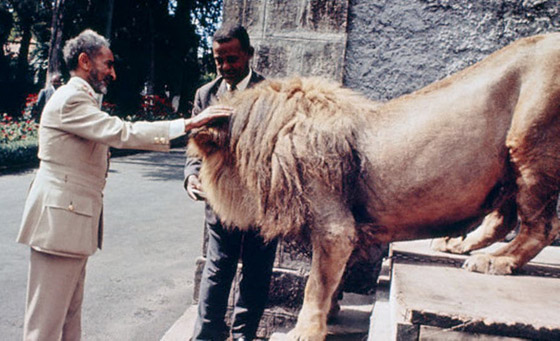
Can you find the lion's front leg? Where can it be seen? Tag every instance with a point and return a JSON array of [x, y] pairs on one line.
[[330, 254], [333, 240]]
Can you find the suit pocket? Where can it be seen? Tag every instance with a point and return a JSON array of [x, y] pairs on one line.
[[68, 224]]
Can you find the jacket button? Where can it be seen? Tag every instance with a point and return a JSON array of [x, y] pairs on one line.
[[71, 207]]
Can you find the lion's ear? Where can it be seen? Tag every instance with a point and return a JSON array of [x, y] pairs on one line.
[[206, 141]]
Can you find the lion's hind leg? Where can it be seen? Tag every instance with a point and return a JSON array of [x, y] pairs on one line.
[[533, 144], [539, 226], [494, 227], [333, 238], [534, 235]]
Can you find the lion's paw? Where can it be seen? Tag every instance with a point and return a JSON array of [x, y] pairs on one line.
[[305, 334], [452, 245], [488, 264]]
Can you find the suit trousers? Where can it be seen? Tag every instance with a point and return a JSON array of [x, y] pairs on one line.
[[55, 291], [225, 247]]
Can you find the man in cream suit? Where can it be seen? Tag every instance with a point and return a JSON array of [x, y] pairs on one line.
[[62, 219]]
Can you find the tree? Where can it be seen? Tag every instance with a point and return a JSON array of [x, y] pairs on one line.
[[55, 46], [27, 18], [154, 41], [161, 39]]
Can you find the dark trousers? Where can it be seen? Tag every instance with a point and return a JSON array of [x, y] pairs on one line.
[[225, 247]]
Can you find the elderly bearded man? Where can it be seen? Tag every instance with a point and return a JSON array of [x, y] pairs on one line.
[[62, 219]]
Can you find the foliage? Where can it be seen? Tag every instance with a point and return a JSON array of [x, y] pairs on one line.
[[30, 103], [23, 152], [155, 108], [18, 141], [157, 44], [152, 108], [17, 130], [25, 27], [207, 18]]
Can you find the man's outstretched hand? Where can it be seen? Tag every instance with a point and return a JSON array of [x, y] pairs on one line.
[[208, 115]]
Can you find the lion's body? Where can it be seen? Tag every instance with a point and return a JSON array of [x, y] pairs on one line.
[[306, 152]]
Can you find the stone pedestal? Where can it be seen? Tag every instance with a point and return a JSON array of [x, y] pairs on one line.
[[427, 296]]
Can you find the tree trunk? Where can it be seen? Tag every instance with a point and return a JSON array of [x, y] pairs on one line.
[[55, 49], [109, 23], [22, 74]]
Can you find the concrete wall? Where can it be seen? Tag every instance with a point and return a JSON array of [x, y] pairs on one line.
[[397, 46]]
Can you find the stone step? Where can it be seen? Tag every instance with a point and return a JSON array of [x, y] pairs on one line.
[[352, 322], [431, 298], [182, 329]]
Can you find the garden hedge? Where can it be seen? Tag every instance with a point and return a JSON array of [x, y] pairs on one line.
[[18, 154]]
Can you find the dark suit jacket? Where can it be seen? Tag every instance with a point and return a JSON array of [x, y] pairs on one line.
[[42, 99], [204, 97]]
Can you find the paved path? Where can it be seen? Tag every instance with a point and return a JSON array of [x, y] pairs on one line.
[[142, 280]]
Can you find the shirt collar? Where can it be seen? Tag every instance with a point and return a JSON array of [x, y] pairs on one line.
[[244, 82]]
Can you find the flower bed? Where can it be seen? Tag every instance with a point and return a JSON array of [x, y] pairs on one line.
[[18, 142], [19, 137]]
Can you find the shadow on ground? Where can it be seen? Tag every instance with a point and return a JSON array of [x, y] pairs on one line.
[[158, 166]]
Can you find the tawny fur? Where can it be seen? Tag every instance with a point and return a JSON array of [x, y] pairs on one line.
[[284, 133], [481, 143]]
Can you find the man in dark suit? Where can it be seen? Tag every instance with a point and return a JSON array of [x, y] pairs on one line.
[[232, 52], [46, 93]]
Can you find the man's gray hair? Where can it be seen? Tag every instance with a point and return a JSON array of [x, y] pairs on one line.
[[88, 41]]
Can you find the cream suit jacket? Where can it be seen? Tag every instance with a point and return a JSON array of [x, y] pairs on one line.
[[63, 210]]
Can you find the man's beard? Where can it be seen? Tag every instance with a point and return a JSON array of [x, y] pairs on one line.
[[99, 86]]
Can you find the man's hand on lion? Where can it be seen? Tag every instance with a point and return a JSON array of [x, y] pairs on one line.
[[208, 115], [194, 188]]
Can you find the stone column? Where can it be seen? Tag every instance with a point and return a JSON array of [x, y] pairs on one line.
[[298, 37], [304, 38]]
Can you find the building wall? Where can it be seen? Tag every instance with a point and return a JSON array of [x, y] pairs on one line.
[[296, 37], [397, 46]]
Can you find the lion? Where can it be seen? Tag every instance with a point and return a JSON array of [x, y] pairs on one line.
[[305, 156]]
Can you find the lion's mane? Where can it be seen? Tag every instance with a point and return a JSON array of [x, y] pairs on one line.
[[285, 135]]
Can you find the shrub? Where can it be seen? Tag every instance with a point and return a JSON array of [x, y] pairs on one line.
[[154, 108], [19, 137], [18, 153], [29, 110], [18, 141]]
